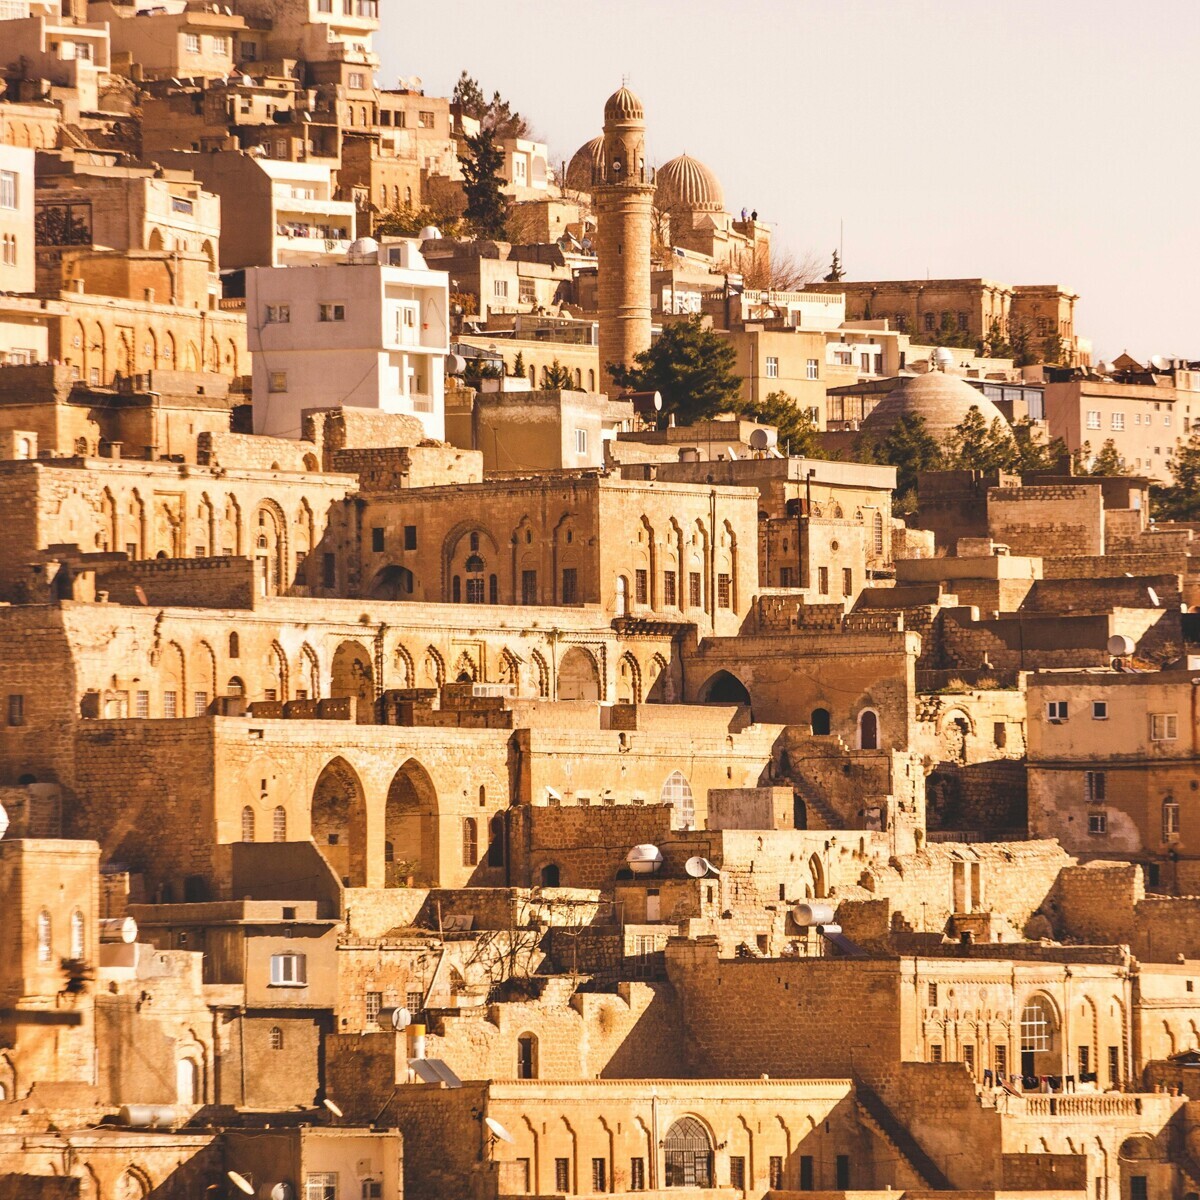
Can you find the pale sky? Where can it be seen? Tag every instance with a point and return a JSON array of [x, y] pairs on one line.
[[1028, 141]]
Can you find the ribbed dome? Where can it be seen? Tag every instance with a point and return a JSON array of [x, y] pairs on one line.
[[623, 105], [585, 165], [685, 182], [943, 400]]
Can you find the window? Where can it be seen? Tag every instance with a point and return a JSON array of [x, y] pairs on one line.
[[785, 577], [930, 321], [847, 582], [377, 540], [410, 537], [775, 1172], [279, 824], [806, 1172], [191, 43], [332, 312], [599, 1175], [247, 824], [737, 1171], [1001, 1058], [470, 841], [1098, 822], [199, 704], [812, 369], [372, 1189], [772, 368], [842, 1172], [1056, 710], [1083, 1060], [356, 80], [932, 995], [529, 589], [637, 1174], [1118, 420], [1114, 1065], [724, 592], [936, 1053], [1095, 786], [669, 588], [694, 589], [527, 1056], [570, 585], [8, 189], [969, 1058], [581, 441], [1170, 820], [823, 580], [142, 705], [677, 792], [170, 705], [1093, 418], [374, 1003], [220, 47], [277, 381], [321, 1185], [77, 946], [289, 970], [1164, 727], [641, 586], [562, 1174], [276, 1038], [1099, 710], [279, 314], [16, 710], [500, 288], [1137, 1187], [43, 936], [425, 120]]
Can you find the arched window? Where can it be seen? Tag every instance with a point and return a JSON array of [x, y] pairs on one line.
[[247, 824], [678, 792], [688, 1154], [43, 936], [234, 646], [187, 1081], [77, 943], [820, 722], [235, 687], [550, 875], [877, 524], [276, 1038], [470, 841], [527, 1056], [868, 729], [496, 841], [1170, 820], [279, 828], [622, 595]]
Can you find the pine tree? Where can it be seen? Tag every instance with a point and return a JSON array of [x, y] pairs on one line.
[[487, 207], [977, 446], [797, 429], [1108, 461], [518, 366], [556, 377], [911, 449], [1180, 501]]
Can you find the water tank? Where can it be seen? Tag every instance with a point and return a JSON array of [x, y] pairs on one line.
[[148, 1116], [644, 859], [814, 912], [430, 233], [118, 929], [1120, 645], [363, 252]]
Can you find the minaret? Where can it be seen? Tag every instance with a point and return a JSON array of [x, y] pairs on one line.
[[623, 193]]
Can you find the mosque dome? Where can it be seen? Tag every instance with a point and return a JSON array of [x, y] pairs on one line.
[[623, 105], [585, 165], [942, 400], [685, 182]]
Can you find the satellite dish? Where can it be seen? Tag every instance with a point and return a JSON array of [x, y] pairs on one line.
[[943, 358], [401, 1019], [498, 1130], [1153, 596], [3, 821], [658, 401], [278, 1191], [240, 1182], [333, 1108], [730, 451], [1159, 363], [699, 866], [759, 440]]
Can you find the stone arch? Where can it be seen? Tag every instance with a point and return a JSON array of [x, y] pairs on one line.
[[677, 792], [339, 821], [207, 250], [433, 669], [688, 1153], [724, 688], [205, 675], [270, 549], [1038, 1025], [816, 877], [310, 671], [410, 825], [405, 668], [954, 729], [233, 523], [172, 671], [108, 536], [353, 677], [868, 729], [156, 239], [304, 535], [510, 669], [8, 1078], [541, 672], [465, 669], [168, 350], [470, 564], [819, 722], [578, 675], [277, 661], [629, 680], [134, 1184]]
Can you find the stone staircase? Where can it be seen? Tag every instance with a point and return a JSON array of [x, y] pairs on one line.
[[878, 1117]]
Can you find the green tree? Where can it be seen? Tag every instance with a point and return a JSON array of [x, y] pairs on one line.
[[487, 208], [798, 431], [468, 96], [1033, 455], [556, 377], [995, 344], [691, 366], [910, 448], [1053, 350], [518, 366], [1180, 500], [1020, 338], [1108, 461], [977, 446], [407, 220], [496, 114], [478, 369]]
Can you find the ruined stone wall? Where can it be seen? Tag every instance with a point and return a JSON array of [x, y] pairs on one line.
[[254, 452]]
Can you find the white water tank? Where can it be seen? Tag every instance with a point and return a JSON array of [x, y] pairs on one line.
[[644, 859], [813, 913], [148, 1116], [118, 929]]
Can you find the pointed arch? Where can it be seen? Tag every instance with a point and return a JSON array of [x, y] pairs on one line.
[[433, 669], [578, 675], [541, 673], [280, 671], [310, 671], [510, 669], [353, 677], [339, 821], [629, 679], [404, 667], [411, 828], [466, 670]]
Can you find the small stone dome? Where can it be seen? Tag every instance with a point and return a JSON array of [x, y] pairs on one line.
[[685, 182], [623, 105], [585, 165], [942, 400]]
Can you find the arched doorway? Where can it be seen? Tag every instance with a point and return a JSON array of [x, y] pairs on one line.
[[622, 596], [799, 812], [868, 729], [550, 875], [339, 821], [688, 1154], [820, 722], [410, 828], [353, 677], [724, 688], [578, 678], [268, 552], [1040, 1051], [187, 1082]]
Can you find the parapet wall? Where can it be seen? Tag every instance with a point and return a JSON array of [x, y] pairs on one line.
[[221, 582], [251, 452]]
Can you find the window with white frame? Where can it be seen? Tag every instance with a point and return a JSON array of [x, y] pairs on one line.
[[812, 369], [1099, 710], [289, 970], [191, 43], [772, 367], [1093, 418], [1035, 1028], [279, 314], [1164, 727], [1118, 420], [500, 288], [8, 189], [1098, 822], [357, 80], [277, 381], [220, 47], [1170, 820], [1056, 710], [321, 1185], [581, 441]]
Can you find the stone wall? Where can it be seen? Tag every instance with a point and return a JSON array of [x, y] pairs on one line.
[[1056, 520], [253, 452], [346, 428], [166, 582]]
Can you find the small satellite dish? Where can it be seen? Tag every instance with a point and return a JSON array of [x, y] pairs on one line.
[[1160, 363], [1120, 645], [657, 401], [1153, 596], [240, 1182], [943, 358], [3, 821], [498, 1130], [279, 1191], [401, 1019], [759, 440], [333, 1108], [696, 867]]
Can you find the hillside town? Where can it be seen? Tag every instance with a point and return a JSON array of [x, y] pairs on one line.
[[432, 748]]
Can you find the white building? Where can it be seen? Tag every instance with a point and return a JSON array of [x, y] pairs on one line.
[[369, 331], [17, 250]]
